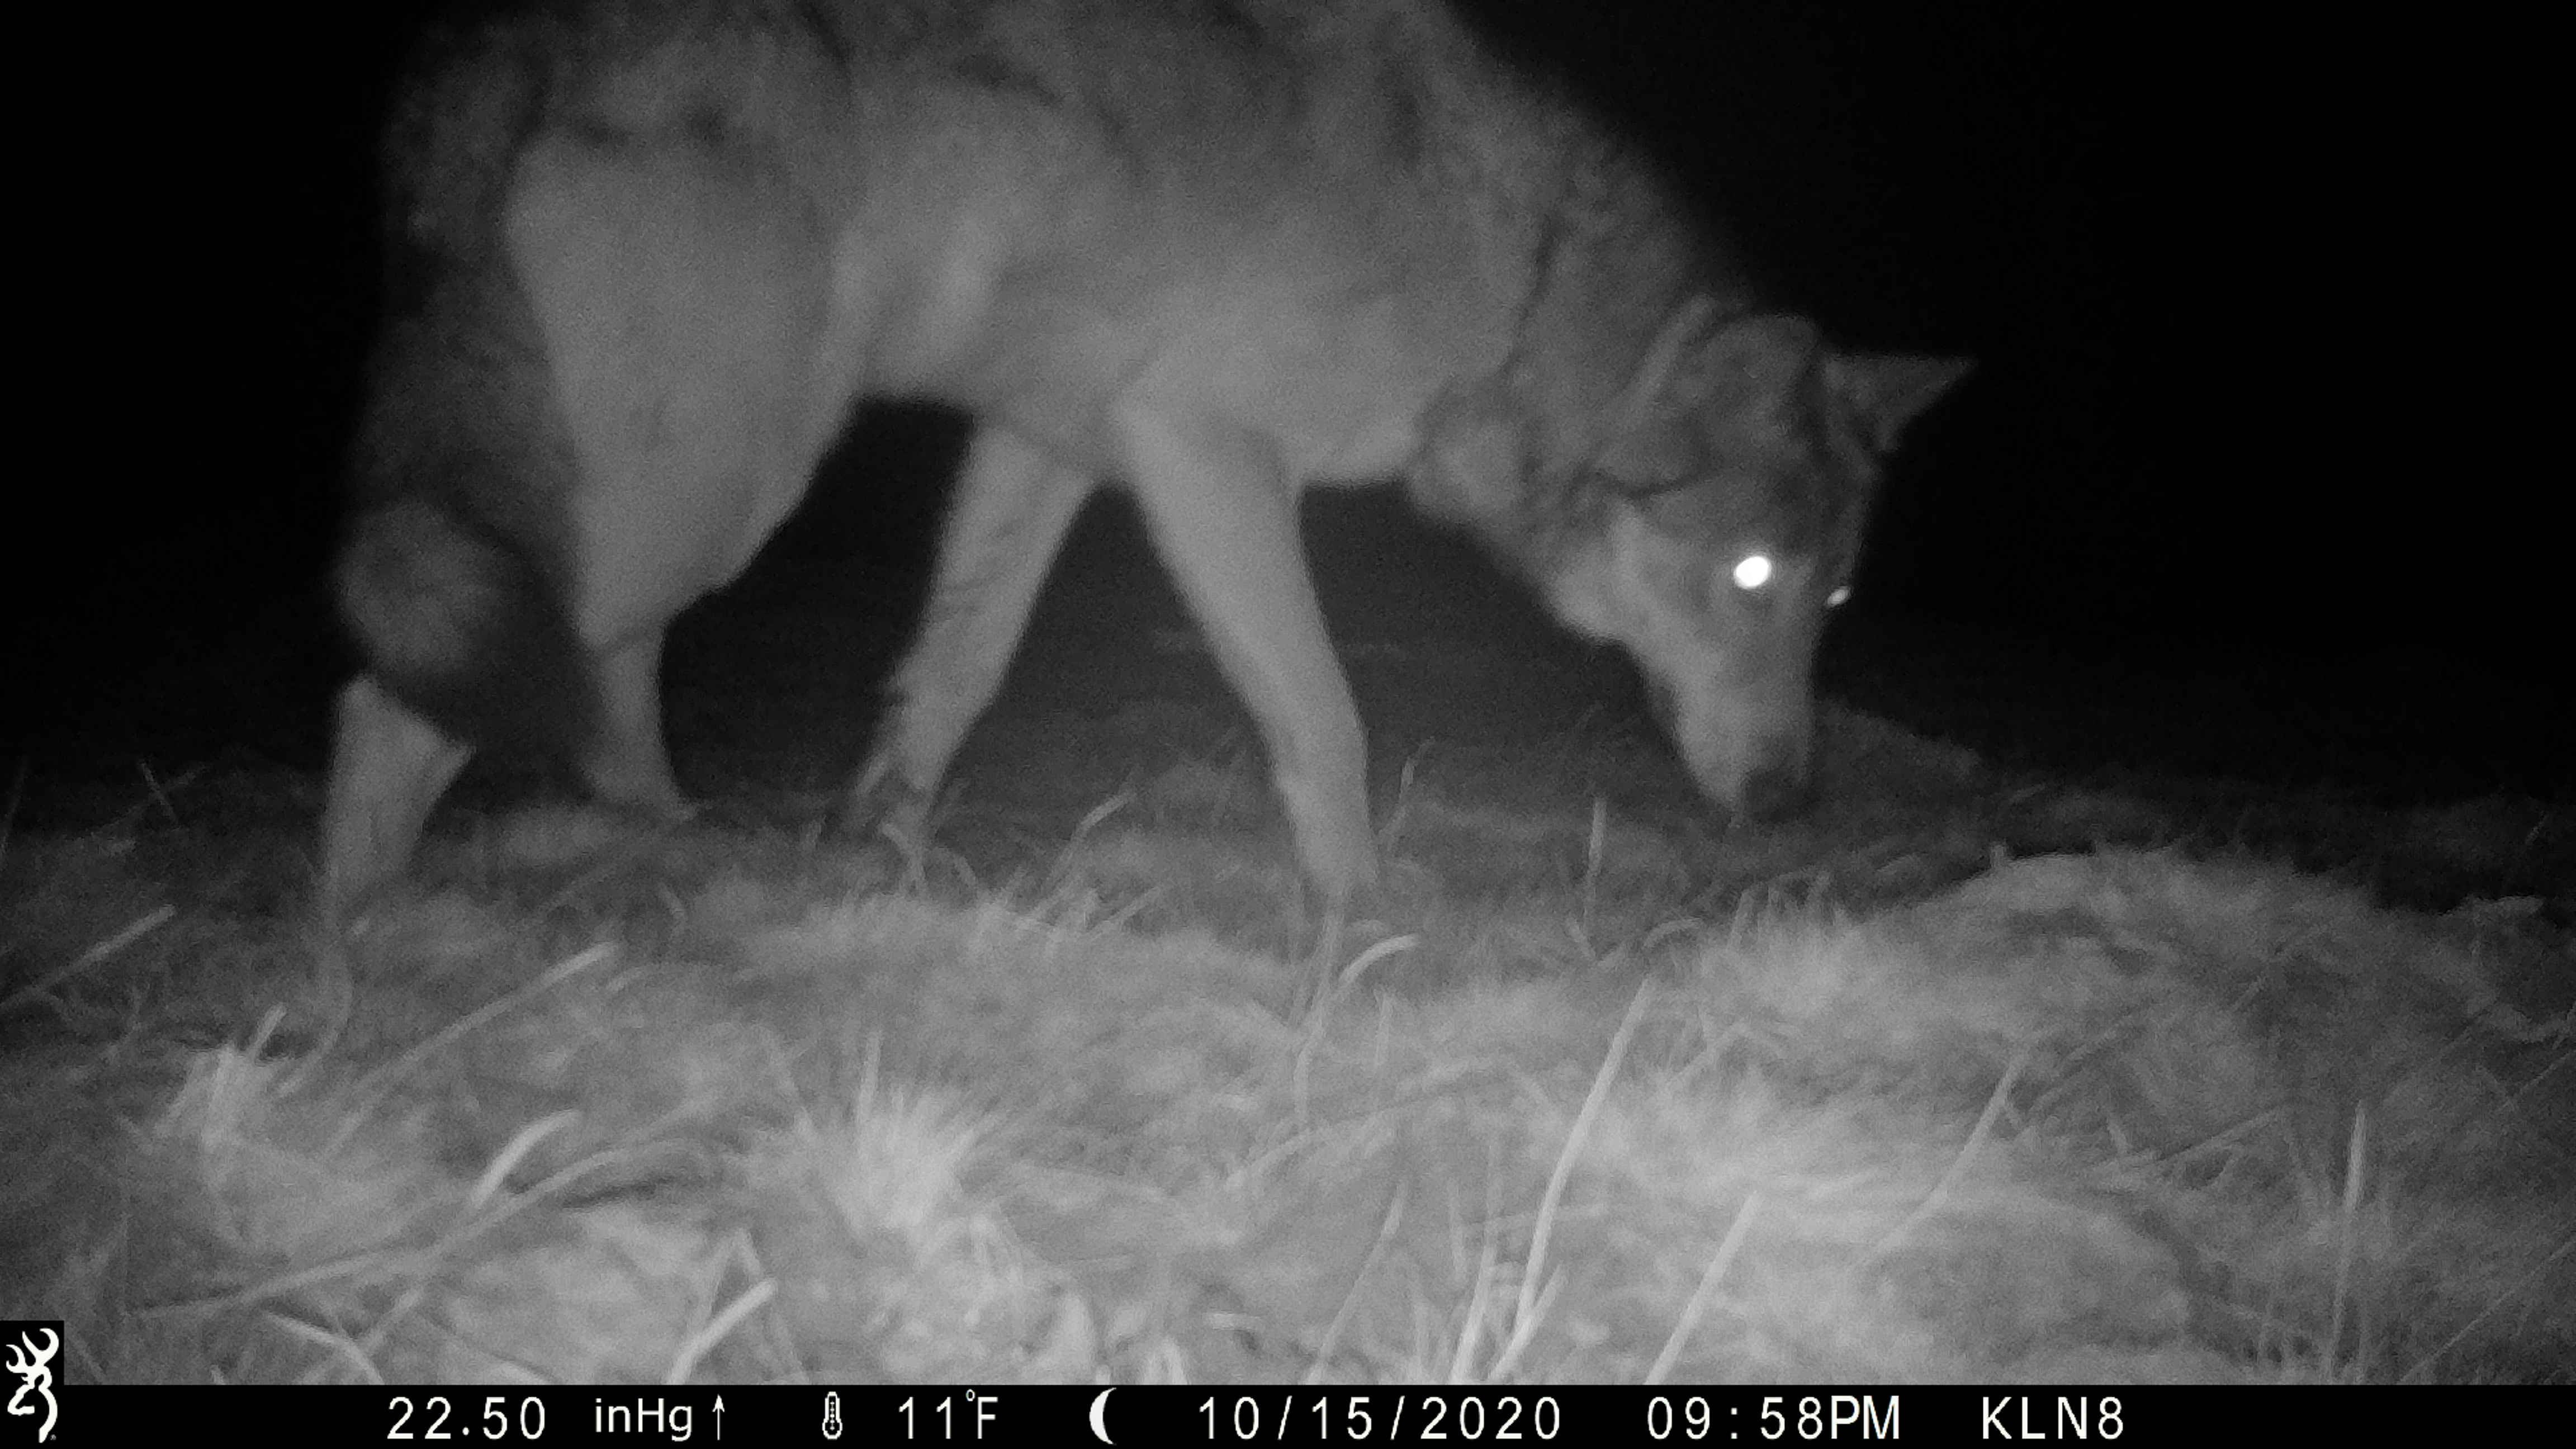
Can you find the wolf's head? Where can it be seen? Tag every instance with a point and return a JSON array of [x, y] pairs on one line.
[[1718, 522]]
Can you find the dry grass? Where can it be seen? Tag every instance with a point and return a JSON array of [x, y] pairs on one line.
[[1590, 1094]]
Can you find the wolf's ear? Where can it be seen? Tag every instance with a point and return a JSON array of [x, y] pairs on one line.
[[1887, 393], [1743, 381]]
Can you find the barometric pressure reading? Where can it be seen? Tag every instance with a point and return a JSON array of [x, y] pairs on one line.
[[433, 1418]]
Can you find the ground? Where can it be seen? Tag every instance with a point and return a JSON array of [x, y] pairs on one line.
[[2239, 1059]]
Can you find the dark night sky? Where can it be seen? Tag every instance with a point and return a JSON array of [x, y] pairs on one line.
[[2251, 294]]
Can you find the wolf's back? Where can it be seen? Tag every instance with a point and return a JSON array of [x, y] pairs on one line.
[[451, 578]]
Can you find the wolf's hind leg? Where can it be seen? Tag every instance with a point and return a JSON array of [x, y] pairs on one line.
[[388, 768], [625, 763], [1015, 502]]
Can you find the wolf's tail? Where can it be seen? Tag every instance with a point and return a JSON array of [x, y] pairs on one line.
[[455, 571], [460, 623], [453, 576]]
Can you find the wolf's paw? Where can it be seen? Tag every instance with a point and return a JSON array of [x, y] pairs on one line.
[[882, 805]]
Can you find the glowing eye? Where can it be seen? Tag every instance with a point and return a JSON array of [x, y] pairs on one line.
[[1838, 597], [1752, 571]]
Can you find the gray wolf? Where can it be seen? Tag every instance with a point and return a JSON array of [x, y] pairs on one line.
[[645, 258]]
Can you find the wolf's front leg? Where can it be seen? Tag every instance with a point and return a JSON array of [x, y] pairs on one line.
[[1224, 518]]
